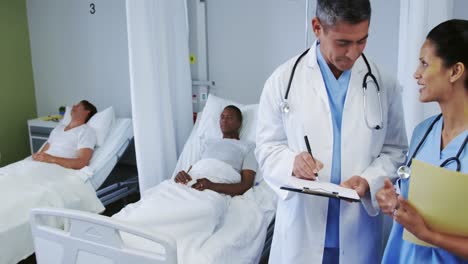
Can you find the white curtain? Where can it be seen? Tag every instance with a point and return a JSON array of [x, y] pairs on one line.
[[160, 85], [417, 18]]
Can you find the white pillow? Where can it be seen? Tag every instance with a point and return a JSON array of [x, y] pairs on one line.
[[209, 123], [102, 122], [67, 116]]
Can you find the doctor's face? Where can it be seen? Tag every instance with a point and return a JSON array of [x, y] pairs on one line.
[[432, 76], [341, 44]]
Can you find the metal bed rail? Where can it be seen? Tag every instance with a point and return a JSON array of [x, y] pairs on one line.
[[117, 191]]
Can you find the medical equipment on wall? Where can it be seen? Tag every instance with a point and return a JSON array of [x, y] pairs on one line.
[[404, 171], [285, 107], [200, 91]]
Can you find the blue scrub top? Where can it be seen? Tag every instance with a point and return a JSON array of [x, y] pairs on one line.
[[336, 90], [399, 250]]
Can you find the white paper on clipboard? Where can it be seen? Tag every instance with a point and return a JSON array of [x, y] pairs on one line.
[[326, 188]]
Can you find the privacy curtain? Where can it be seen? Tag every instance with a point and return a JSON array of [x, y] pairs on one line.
[[160, 84], [417, 18]]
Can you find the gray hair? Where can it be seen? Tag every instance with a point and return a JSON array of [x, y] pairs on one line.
[[330, 12]]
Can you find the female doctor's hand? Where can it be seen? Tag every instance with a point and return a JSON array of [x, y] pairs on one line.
[[305, 167], [387, 198], [411, 220]]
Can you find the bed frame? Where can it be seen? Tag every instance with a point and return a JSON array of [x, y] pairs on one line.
[[117, 189], [89, 238]]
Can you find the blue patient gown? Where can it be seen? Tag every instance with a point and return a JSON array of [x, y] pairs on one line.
[[399, 250]]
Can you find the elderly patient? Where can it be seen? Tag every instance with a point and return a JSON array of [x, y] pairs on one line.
[[231, 150], [71, 146]]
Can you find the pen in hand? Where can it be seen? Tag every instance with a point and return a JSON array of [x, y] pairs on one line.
[[306, 139]]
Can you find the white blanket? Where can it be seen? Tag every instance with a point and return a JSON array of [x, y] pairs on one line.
[[215, 171], [27, 184], [241, 236]]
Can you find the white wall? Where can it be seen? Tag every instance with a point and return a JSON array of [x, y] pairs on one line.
[[78, 55], [382, 45], [460, 8], [247, 40]]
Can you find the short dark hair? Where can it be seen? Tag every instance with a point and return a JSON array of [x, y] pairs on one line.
[[90, 107], [236, 110], [450, 40], [330, 12]]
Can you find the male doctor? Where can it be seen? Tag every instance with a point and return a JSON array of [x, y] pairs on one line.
[[356, 143]]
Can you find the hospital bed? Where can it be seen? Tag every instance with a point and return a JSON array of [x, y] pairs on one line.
[[239, 237], [106, 157], [45, 190]]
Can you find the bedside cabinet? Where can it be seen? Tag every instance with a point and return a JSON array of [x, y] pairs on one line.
[[39, 132]]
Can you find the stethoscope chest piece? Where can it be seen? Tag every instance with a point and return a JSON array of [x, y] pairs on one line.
[[404, 172], [284, 107]]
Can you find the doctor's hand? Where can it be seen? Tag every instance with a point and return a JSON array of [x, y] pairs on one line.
[[182, 177], [387, 198], [357, 183], [305, 166]]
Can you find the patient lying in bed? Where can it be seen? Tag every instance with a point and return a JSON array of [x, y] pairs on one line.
[[191, 213], [54, 182], [71, 146], [230, 150]]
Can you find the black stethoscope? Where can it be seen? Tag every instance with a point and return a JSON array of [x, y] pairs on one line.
[[404, 171], [285, 106]]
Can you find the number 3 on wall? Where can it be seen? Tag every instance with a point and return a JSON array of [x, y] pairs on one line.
[[92, 8]]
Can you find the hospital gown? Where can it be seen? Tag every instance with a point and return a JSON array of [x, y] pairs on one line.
[[399, 250], [66, 144], [237, 153]]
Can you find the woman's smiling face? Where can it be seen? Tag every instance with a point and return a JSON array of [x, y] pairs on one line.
[[432, 76]]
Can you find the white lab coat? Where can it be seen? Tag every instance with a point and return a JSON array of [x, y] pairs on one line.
[[299, 233]]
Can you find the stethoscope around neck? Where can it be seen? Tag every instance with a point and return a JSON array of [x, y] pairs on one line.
[[285, 107], [404, 171]]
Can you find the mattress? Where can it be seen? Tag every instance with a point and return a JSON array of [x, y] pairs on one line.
[[105, 157]]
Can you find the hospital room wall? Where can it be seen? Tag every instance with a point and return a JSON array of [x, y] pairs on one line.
[[17, 102], [79, 52], [459, 9], [247, 40]]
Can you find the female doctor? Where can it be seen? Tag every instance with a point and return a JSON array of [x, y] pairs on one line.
[[440, 140], [356, 134]]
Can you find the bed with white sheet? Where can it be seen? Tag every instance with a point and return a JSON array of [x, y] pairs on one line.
[[27, 184], [206, 226]]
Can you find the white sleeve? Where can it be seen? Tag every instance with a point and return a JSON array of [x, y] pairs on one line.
[[274, 157], [249, 163], [393, 152], [87, 138]]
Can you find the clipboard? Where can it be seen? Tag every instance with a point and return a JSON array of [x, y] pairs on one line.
[[324, 189]]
